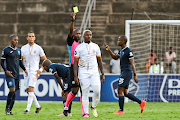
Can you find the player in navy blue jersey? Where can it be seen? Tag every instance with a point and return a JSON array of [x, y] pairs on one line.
[[12, 56], [60, 71], [127, 67]]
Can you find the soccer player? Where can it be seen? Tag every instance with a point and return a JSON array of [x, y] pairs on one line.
[[60, 71], [127, 67], [12, 56], [72, 42], [88, 56], [31, 53]]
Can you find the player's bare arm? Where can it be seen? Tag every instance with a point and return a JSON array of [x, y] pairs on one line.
[[114, 56], [134, 70], [99, 60], [72, 24], [76, 59], [42, 68], [60, 83]]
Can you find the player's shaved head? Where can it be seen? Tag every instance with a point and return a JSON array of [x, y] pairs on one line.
[[12, 36], [75, 31], [46, 62], [123, 37]]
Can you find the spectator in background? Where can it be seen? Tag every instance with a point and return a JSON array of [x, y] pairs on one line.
[[114, 64], [170, 59], [150, 60], [156, 68]]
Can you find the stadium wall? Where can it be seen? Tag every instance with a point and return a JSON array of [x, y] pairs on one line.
[[152, 88]]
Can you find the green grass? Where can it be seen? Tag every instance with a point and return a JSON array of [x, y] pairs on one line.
[[153, 111]]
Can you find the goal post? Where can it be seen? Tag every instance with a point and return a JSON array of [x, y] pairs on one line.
[[157, 35]]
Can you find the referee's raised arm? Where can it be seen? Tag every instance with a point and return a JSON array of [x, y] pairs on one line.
[[70, 39]]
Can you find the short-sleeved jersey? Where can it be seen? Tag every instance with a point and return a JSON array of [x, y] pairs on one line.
[[87, 54], [71, 44], [125, 54], [115, 65], [60, 69], [31, 57], [12, 57]]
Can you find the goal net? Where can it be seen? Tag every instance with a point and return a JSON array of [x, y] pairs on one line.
[[154, 36]]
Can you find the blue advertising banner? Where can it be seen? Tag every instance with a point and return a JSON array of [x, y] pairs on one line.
[[152, 88], [47, 89]]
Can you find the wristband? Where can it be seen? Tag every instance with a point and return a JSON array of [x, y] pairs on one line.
[[72, 20], [41, 69], [134, 74]]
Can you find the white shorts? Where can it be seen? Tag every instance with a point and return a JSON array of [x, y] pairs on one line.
[[30, 80], [88, 79]]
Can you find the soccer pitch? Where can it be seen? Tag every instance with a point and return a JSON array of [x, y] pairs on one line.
[[153, 111]]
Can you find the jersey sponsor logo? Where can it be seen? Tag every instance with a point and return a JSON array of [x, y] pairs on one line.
[[35, 52], [130, 54], [122, 53], [94, 51], [18, 52], [11, 52], [133, 87], [50, 69]]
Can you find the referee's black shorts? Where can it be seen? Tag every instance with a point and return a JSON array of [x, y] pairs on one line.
[[71, 72]]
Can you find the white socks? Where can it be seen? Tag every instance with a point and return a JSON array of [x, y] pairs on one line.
[[30, 100], [36, 102], [85, 100], [96, 95]]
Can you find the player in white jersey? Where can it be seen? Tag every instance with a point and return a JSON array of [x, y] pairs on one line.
[[31, 54], [88, 57]]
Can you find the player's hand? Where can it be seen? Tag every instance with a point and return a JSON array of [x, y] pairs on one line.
[[9, 73], [26, 73], [73, 15], [62, 93], [136, 79], [76, 79], [107, 47], [102, 78], [38, 73]]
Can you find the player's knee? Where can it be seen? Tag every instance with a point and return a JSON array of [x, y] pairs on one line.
[[75, 91]]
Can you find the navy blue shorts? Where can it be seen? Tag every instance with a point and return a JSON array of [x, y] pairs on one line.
[[11, 82], [71, 73], [67, 84], [124, 78]]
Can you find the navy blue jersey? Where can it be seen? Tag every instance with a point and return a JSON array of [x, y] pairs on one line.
[[125, 54], [60, 69], [12, 57]]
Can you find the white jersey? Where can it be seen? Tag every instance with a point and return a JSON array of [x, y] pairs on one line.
[[87, 54], [31, 57]]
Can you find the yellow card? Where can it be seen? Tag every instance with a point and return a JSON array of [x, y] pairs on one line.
[[75, 9]]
